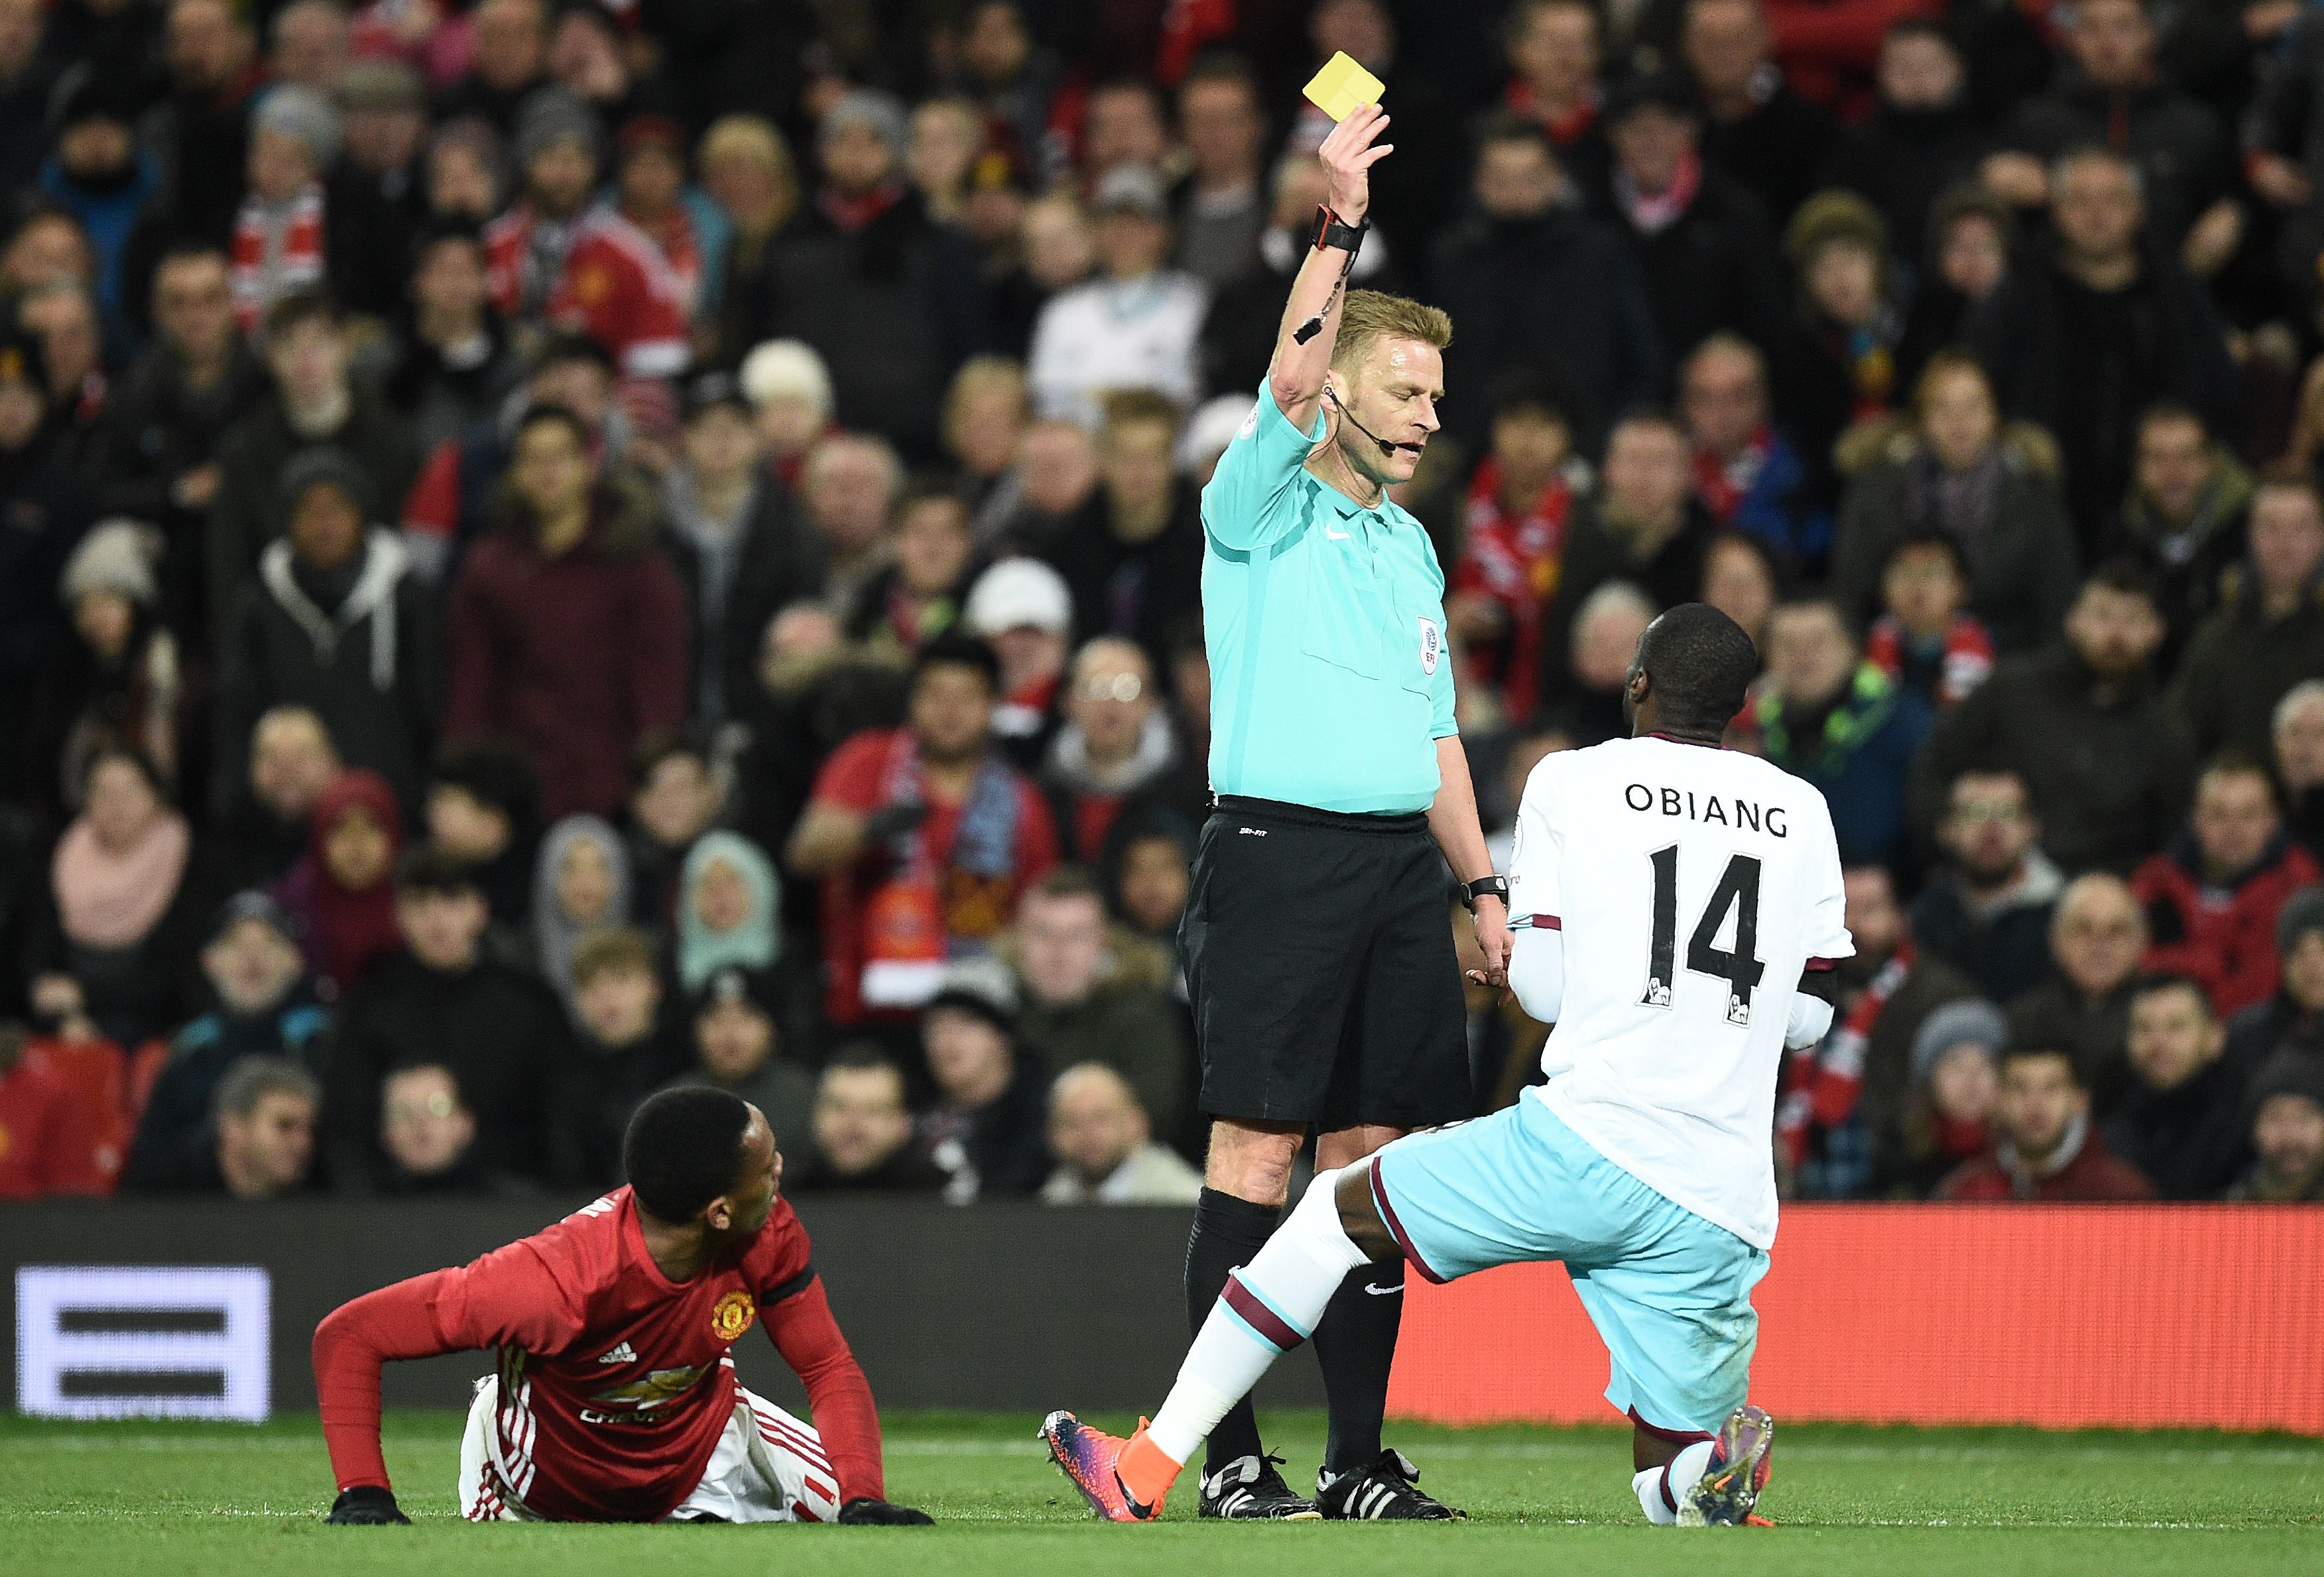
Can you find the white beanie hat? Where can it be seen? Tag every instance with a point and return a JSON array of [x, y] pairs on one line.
[[790, 367], [118, 556], [1016, 593]]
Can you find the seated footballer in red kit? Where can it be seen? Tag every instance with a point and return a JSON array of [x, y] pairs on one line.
[[614, 1399]]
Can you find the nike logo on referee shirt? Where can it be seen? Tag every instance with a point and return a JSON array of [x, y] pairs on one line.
[[1337, 536]]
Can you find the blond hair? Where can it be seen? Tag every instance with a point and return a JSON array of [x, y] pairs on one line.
[[1369, 316]]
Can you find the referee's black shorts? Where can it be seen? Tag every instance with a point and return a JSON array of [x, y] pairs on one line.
[[1319, 956]]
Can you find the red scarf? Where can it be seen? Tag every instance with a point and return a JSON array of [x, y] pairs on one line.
[[1722, 485], [1824, 1079], [1656, 211], [1967, 659], [1563, 129], [850, 213], [297, 260], [673, 236]]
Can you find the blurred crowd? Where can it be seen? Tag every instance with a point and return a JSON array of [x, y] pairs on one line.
[[549, 548]]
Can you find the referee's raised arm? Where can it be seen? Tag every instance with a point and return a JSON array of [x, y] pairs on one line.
[[1310, 318]]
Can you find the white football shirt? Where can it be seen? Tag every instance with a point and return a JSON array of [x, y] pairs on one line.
[[1692, 886]]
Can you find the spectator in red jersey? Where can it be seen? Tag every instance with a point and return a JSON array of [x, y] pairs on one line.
[[264, 1147], [664, 1276], [556, 258], [568, 633], [1748, 474], [1512, 546], [2044, 1151], [988, 1131], [923, 836], [342, 895], [1115, 749], [1023, 608], [58, 1134], [1091, 995], [1925, 638], [2185, 1122], [686, 228], [1556, 50], [2097, 935], [2212, 898], [2287, 1132], [1858, 1081]]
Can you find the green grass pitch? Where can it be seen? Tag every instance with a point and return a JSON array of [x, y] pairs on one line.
[[159, 1498]]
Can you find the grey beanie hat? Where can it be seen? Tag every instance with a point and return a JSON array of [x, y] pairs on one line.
[[293, 111], [882, 111], [1971, 1021], [2302, 913], [550, 115]]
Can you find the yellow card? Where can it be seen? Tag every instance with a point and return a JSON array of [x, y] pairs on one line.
[[1342, 86]]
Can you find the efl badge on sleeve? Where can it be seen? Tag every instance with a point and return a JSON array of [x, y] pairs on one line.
[[1342, 86], [1432, 645]]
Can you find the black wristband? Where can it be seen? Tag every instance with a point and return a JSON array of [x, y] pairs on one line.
[[1484, 886], [1331, 230]]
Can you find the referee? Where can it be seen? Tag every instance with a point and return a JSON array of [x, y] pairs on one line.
[[1325, 989]]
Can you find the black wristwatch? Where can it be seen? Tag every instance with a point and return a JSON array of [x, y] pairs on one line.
[[1485, 887], [1331, 230]]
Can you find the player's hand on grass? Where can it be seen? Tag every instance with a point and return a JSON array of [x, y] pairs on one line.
[[1348, 157], [368, 1506], [865, 1512]]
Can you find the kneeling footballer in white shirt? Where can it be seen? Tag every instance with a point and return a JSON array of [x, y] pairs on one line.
[[1682, 911]]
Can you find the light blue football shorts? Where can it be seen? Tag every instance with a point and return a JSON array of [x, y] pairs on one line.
[[1669, 1291]]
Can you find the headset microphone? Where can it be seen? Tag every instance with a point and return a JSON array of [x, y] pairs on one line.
[[1348, 417]]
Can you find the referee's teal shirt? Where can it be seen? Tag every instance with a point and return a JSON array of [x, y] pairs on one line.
[[1331, 681]]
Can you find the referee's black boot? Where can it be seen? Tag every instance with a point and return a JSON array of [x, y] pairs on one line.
[[1386, 1490], [1249, 1489]]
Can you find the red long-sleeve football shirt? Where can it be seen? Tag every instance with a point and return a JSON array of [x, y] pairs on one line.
[[616, 1382]]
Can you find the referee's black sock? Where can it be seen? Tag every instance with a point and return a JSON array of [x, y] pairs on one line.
[[1355, 1343], [1228, 1233]]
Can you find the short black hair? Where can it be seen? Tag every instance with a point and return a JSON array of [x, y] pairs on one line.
[[2127, 575], [547, 413], [2171, 979], [571, 346], [663, 744], [492, 773], [2027, 1049], [684, 1149], [952, 649], [1928, 540], [432, 870], [301, 306], [1700, 663]]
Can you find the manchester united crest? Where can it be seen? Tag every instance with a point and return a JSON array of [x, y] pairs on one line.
[[732, 1316]]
